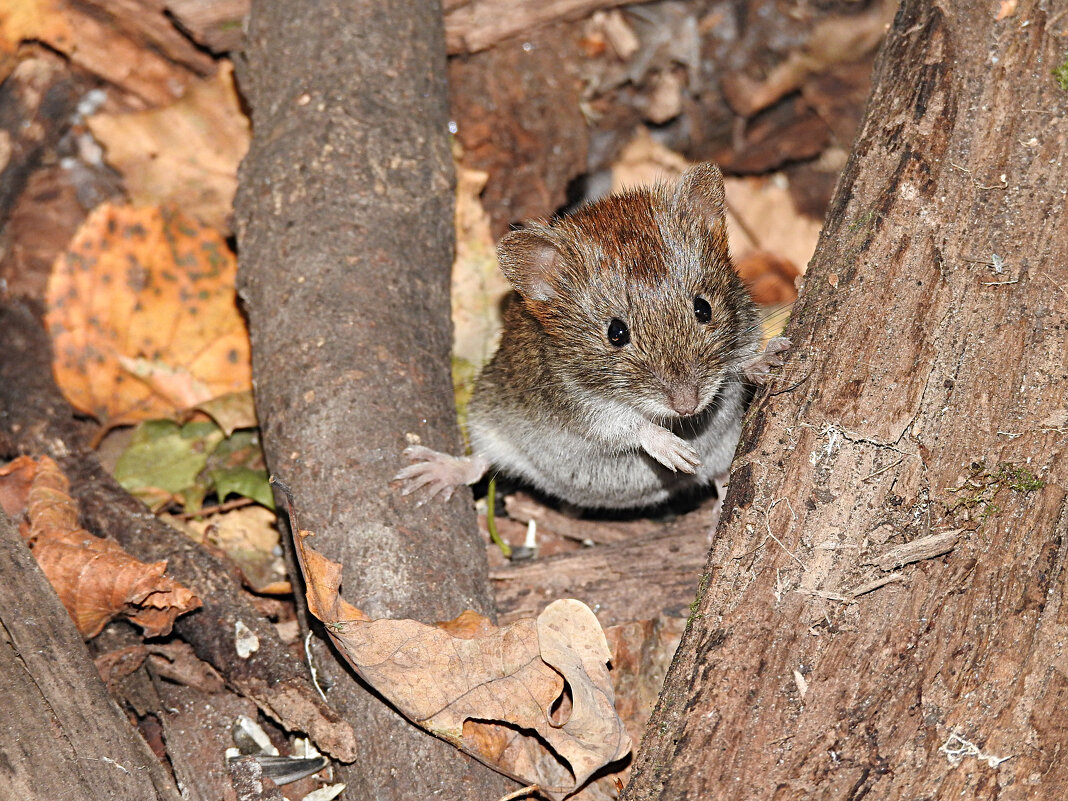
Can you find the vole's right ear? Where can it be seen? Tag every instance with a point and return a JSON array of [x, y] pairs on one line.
[[699, 196], [530, 261]]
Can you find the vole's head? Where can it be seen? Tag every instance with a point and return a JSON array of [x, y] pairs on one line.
[[637, 295]]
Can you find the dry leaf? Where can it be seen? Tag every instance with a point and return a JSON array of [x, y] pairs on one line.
[[25, 20], [769, 278], [178, 662], [477, 282], [143, 318], [185, 154], [644, 161], [1006, 8], [16, 478], [833, 41], [141, 52], [175, 661], [116, 665], [231, 411], [762, 216], [486, 690], [249, 537], [94, 578]]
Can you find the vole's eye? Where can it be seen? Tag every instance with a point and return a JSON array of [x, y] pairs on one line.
[[702, 310], [618, 333]]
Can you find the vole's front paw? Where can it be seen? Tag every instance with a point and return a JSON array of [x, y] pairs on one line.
[[772, 356], [437, 472], [671, 451]]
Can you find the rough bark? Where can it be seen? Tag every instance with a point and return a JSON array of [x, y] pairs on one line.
[[926, 365], [345, 229], [35, 419], [61, 735]]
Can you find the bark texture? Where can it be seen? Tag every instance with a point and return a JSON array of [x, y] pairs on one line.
[[344, 217], [61, 735], [927, 376]]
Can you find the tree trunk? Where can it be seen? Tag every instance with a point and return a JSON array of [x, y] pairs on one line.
[[926, 397], [345, 216]]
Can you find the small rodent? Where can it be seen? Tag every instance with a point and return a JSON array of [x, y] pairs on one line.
[[619, 379]]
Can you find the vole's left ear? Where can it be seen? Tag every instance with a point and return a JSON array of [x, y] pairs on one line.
[[698, 196]]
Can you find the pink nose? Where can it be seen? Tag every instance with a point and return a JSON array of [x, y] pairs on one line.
[[683, 399]]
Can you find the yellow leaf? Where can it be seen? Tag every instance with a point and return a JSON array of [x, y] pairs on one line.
[[143, 318]]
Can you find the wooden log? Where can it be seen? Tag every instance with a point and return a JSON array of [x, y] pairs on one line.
[[61, 735], [37, 420], [933, 326], [344, 221]]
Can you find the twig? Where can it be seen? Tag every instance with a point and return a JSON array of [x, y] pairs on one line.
[[918, 550], [208, 511], [491, 519], [522, 792], [874, 584], [883, 469], [311, 665]]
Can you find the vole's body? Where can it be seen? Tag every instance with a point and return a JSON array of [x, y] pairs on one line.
[[534, 424], [618, 382]]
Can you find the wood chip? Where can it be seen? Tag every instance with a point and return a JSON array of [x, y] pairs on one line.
[[917, 550]]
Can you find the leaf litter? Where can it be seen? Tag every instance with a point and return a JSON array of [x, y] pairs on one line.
[[95, 578], [489, 691]]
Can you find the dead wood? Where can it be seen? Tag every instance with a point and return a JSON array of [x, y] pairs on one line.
[[134, 45], [470, 25], [523, 127], [638, 579], [62, 735], [198, 728], [37, 420], [933, 328], [524, 508], [218, 25], [344, 219]]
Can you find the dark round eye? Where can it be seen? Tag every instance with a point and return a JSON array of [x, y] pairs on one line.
[[702, 310], [618, 333]]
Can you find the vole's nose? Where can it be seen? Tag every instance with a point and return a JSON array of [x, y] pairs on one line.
[[682, 398]]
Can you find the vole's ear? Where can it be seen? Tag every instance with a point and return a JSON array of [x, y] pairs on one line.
[[530, 261], [699, 196]]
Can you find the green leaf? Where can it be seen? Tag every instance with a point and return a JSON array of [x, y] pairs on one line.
[[237, 467], [165, 459]]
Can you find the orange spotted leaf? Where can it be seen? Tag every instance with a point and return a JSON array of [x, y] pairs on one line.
[[143, 317]]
